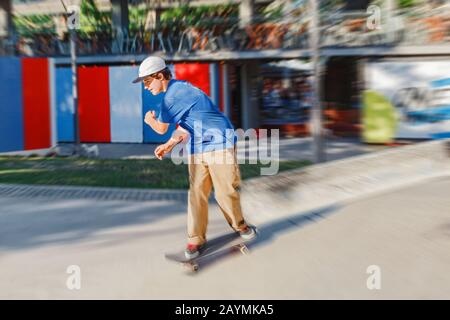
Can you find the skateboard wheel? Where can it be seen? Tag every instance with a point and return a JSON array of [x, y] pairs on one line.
[[244, 250], [192, 267]]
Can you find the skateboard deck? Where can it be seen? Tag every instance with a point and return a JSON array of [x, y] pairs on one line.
[[221, 245]]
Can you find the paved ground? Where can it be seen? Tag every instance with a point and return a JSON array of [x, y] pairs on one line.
[[289, 149], [119, 246], [97, 193]]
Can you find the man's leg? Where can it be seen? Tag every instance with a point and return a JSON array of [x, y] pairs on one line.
[[199, 190], [225, 175]]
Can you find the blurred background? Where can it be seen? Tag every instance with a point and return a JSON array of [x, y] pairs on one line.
[[337, 79], [253, 57]]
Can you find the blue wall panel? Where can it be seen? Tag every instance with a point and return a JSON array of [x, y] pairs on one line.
[[11, 105], [64, 105], [151, 102], [214, 83]]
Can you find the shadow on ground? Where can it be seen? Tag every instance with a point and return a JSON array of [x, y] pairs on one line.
[[59, 222], [266, 234]]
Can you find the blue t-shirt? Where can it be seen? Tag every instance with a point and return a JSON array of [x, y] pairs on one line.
[[192, 109]]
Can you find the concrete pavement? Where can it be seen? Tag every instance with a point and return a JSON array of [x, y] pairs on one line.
[[119, 246]]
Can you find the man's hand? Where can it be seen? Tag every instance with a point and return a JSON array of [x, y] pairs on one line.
[[159, 127], [163, 149], [150, 117], [178, 136]]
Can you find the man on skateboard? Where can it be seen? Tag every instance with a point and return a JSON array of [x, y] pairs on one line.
[[212, 150]]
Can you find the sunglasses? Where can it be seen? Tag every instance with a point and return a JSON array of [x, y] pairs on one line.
[[147, 81]]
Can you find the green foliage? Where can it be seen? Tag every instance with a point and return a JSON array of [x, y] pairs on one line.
[[92, 20], [26, 26], [136, 17], [201, 16], [379, 118], [406, 3], [271, 13]]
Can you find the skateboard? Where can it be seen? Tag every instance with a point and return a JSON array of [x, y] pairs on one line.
[[213, 249]]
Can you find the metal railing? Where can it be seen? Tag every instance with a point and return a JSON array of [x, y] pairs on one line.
[[338, 29], [403, 27]]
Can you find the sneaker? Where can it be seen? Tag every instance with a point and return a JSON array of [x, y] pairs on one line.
[[248, 233], [192, 251]]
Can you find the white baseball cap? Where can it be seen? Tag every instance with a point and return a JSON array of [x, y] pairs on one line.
[[149, 66]]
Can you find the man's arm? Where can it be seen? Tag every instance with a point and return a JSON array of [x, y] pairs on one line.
[[178, 136], [159, 127]]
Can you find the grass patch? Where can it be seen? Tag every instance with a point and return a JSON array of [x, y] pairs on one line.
[[151, 173]]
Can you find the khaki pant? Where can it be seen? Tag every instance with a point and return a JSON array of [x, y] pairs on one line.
[[221, 170]]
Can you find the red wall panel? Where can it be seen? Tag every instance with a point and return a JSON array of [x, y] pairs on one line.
[[93, 105], [36, 103], [195, 73]]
